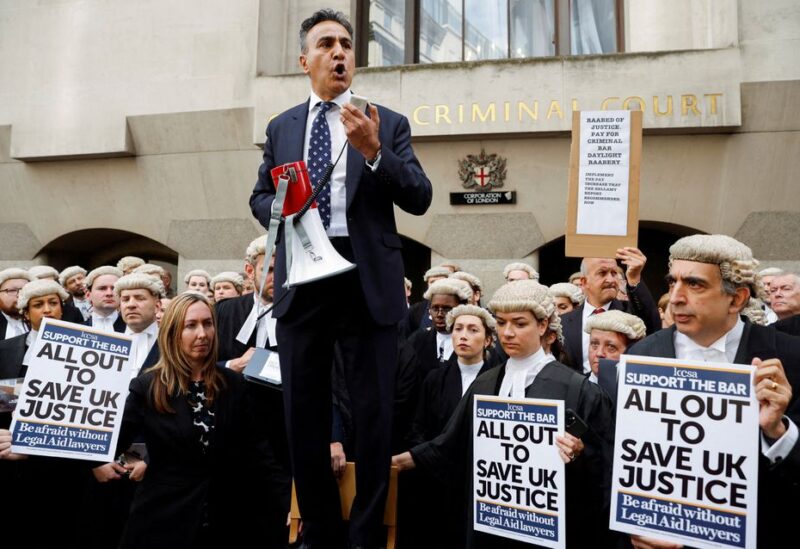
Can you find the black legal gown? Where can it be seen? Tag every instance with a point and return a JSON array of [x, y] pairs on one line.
[[588, 478]]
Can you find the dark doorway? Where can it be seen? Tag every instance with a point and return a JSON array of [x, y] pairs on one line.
[[92, 248], [655, 238], [417, 260]]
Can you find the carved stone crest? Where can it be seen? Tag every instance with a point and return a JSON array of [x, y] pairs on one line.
[[482, 172]]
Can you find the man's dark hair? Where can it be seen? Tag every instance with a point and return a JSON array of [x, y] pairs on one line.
[[319, 16]]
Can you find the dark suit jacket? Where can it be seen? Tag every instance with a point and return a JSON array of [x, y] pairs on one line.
[[70, 313], [12, 351], [789, 325], [587, 479], [119, 324], [181, 481], [778, 484], [371, 198], [231, 314], [438, 399], [3, 326], [640, 303], [423, 345]]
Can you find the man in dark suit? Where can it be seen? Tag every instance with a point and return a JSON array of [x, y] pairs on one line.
[[600, 285], [105, 303], [140, 297], [359, 309], [11, 322], [712, 278]]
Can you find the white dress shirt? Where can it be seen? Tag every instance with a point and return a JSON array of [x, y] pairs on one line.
[[142, 343], [104, 323], [468, 374], [338, 226], [588, 310], [724, 350], [444, 346], [30, 340], [520, 372], [84, 306], [14, 327]]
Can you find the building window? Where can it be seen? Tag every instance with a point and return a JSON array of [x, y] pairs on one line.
[[395, 32]]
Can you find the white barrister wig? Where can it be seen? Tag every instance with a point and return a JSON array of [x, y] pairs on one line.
[[197, 272], [488, 320], [469, 278], [528, 295], [256, 248], [436, 271], [43, 271], [519, 266], [69, 272], [626, 324], [229, 276], [407, 283], [140, 281], [129, 263], [754, 310], [450, 266], [39, 288], [101, 271], [771, 271], [735, 260], [570, 291], [150, 269], [449, 286], [13, 274]]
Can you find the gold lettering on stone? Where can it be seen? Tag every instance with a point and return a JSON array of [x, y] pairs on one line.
[[460, 113], [606, 101], [506, 111], [713, 101], [555, 107], [657, 111], [689, 103], [522, 106], [632, 99], [442, 113], [416, 115], [489, 115]]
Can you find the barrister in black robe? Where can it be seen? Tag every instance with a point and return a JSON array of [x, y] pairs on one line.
[[789, 325], [778, 483], [32, 481], [600, 285], [119, 324], [524, 310]]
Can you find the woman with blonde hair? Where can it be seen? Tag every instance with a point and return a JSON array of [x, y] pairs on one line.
[[207, 451]]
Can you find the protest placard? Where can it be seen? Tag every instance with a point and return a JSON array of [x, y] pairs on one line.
[[603, 195], [74, 393], [686, 452], [518, 474]]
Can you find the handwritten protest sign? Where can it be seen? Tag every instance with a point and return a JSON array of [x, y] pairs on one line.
[[519, 476], [686, 452], [74, 393], [603, 195]]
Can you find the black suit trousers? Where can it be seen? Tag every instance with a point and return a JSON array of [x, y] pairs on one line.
[[323, 314]]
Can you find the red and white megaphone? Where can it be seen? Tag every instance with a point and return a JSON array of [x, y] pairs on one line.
[[309, 253]]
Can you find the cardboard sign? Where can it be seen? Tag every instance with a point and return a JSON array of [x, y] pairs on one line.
[[518, 475], [603, 195], [686, 452], [74, 393]]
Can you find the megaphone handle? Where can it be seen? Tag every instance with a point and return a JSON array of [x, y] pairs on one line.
[[318, 189]]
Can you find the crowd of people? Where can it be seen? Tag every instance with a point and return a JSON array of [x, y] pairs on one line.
[[207, 457], [197, 436]]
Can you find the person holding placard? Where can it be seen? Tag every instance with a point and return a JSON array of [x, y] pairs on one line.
[[524, 309], [600, 285], [57, 482], [711, 279]]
